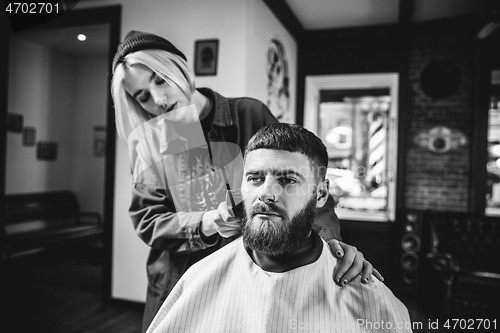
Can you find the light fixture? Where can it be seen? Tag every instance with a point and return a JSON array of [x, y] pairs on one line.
[[81, 37], [487, 30]]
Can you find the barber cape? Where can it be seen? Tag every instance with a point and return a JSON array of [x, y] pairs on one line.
[[228, 292]]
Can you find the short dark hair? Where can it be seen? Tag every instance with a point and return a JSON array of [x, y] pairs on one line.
[[295, 139]]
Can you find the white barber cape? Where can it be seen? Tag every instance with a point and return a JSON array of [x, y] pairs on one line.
[[228, 292]]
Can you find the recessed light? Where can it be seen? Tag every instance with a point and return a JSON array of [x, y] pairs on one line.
[[81, 37]]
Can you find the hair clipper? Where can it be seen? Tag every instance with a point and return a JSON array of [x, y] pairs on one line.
[[234, 203]]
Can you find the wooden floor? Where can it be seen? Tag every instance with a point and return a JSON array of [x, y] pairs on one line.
[[63, 296]]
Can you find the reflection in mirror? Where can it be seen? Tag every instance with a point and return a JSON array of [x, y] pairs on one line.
[[355, 115], [493, 162], [354, 127]]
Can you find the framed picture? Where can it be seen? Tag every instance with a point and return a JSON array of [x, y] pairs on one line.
[[205, 57], [15, 122], [29, 136], [46, 151]]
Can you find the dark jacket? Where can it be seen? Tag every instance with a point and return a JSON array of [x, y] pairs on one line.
[[174, 237]]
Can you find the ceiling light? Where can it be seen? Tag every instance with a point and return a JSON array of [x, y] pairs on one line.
[[81, 37]]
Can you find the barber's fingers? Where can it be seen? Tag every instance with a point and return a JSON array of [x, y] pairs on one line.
[[353, 264], [228, 232], [228, 229], [366, 275], [368, 271], [223, 211], [227, 225], [378, 275], [335, 248], [350, 265], [231, 222], [225, 215], [347, 268]]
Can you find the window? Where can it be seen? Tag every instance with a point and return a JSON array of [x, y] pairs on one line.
[[493, 161], [355, 117]]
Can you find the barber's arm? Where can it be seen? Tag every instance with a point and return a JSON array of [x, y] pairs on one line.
[[158, 224], [351, 261], [220, 221]]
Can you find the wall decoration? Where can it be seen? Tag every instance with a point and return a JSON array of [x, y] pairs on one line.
[[29, 136], [46, 151], [440, 139], [439, 79], [99, 146], [15, 122], [205, 57], [278, 94]]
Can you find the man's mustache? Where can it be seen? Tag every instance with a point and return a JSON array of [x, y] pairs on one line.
[[270, 208]]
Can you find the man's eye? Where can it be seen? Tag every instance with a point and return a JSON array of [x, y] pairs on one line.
[[287, 181], [254, 179]]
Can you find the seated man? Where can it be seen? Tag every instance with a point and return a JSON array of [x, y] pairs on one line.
[[277, 276]]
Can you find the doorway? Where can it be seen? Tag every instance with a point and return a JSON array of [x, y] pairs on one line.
[[59, 88]]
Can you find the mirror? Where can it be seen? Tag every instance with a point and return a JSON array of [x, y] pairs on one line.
[[355, 115]]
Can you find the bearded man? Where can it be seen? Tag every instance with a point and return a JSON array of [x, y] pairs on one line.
[[277, 276]]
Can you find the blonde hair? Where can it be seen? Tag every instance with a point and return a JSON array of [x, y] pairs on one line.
[[170, 67]]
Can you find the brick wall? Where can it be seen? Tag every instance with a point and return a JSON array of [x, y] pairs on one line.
[[439, 181]]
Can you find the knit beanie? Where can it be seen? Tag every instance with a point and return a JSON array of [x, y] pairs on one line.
[[137, 40]]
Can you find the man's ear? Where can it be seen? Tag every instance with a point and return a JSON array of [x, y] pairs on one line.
[[322, 192]]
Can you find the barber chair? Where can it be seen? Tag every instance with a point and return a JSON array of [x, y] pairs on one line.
[[466, 254]]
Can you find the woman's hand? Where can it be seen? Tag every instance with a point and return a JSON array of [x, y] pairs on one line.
[[351, 263], [225, 224]]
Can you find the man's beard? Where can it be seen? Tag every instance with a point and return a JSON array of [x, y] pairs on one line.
[[275, 239]]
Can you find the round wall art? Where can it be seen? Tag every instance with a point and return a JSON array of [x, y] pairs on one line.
[[439, 79]]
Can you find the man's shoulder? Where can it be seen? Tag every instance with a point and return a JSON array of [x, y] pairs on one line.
[[374, 299], [374, 289]]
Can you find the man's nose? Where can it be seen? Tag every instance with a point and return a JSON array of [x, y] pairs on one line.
[[269, 191]]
